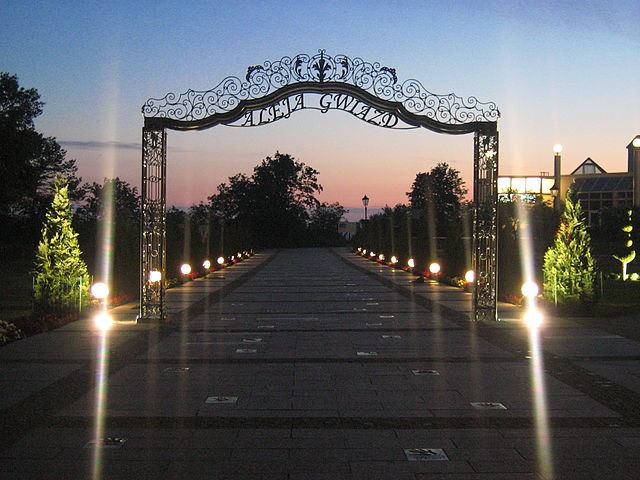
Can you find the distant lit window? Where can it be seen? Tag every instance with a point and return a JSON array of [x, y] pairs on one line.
[[518, 185], [547, 183], [533, 184], [504, 184]]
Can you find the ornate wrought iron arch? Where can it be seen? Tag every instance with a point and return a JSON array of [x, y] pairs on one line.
[[358, 87]]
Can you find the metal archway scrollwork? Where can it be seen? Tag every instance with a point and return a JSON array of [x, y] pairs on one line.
[[195, 109], [372, 85]]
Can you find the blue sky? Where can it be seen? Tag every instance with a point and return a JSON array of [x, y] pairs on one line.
[[563, 72]]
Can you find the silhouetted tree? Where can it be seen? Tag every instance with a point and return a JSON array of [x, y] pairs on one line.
[[440, 193], [323, 224], [113, 205], [272, 205], [29, 162]]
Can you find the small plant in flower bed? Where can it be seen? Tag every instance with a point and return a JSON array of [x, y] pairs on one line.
[[9, 332], [39, 322], [122, 298]]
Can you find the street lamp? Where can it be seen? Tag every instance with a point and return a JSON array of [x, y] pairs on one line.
[[365, 202], [555, 189]]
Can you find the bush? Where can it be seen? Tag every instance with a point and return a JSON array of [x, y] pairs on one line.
[[9, 332]]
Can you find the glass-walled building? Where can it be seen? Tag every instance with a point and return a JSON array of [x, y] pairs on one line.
[[596, 188]]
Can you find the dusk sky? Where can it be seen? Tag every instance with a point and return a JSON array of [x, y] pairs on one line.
[[560, 72]]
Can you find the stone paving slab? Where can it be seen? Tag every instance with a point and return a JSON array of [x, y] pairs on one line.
[[308, 405]]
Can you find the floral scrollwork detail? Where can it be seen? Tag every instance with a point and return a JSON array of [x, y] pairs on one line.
[[261, 80]]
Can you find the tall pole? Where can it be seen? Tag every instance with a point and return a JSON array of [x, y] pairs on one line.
[[557, 160]]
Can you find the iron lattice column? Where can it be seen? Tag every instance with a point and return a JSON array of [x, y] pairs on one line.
[[485, 225], [152, 224]]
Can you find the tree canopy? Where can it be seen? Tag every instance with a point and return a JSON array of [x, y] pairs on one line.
[[29, 161], [274, 203], [439, 194]]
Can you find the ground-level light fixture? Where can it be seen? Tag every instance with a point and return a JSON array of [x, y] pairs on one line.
[[394, 260], [206, 264], [381, 257], [434, 268], [372, 254], [220, 260], [533, 318], [155, 276], [530, 289], [100, 290], [103, 321], [185, 269], [411, 263], [360, 249], [470, 276], [364, 252]]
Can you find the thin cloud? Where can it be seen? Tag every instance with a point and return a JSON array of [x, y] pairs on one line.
[[99, 145]]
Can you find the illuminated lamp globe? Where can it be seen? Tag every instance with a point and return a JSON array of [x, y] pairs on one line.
[[220, 260], [533, 318], [103, 321], [359, 249], [185, 269], [411, 263], [100, 290], [636, 142], [557, 149], [364, 252], [206, 264], [434, 268], [381, 257], [394, 260], [372, 254], [239, 255], [530, 289], [470, 276], [155, 276]]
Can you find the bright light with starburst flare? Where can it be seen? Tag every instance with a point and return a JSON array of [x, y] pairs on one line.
[[103, 321], [100, 290], [470, 276], [530, 289]]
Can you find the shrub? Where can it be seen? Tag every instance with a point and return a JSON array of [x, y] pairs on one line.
[[9, 332]]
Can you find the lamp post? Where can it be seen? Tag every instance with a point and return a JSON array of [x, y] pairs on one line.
[[365, 202], [555, 189]]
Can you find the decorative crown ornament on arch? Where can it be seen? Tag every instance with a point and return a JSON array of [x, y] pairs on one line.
[[275, 90]]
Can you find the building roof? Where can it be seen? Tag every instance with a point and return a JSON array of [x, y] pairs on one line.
[[605, 183], [588, 167]]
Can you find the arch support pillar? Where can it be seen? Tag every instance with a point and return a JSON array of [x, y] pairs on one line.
[[152, 224], [485, 224]]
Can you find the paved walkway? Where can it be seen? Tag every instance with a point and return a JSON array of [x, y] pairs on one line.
[[317, 364]]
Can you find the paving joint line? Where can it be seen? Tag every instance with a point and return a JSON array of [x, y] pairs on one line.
[[36, 409], [617, 398]]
